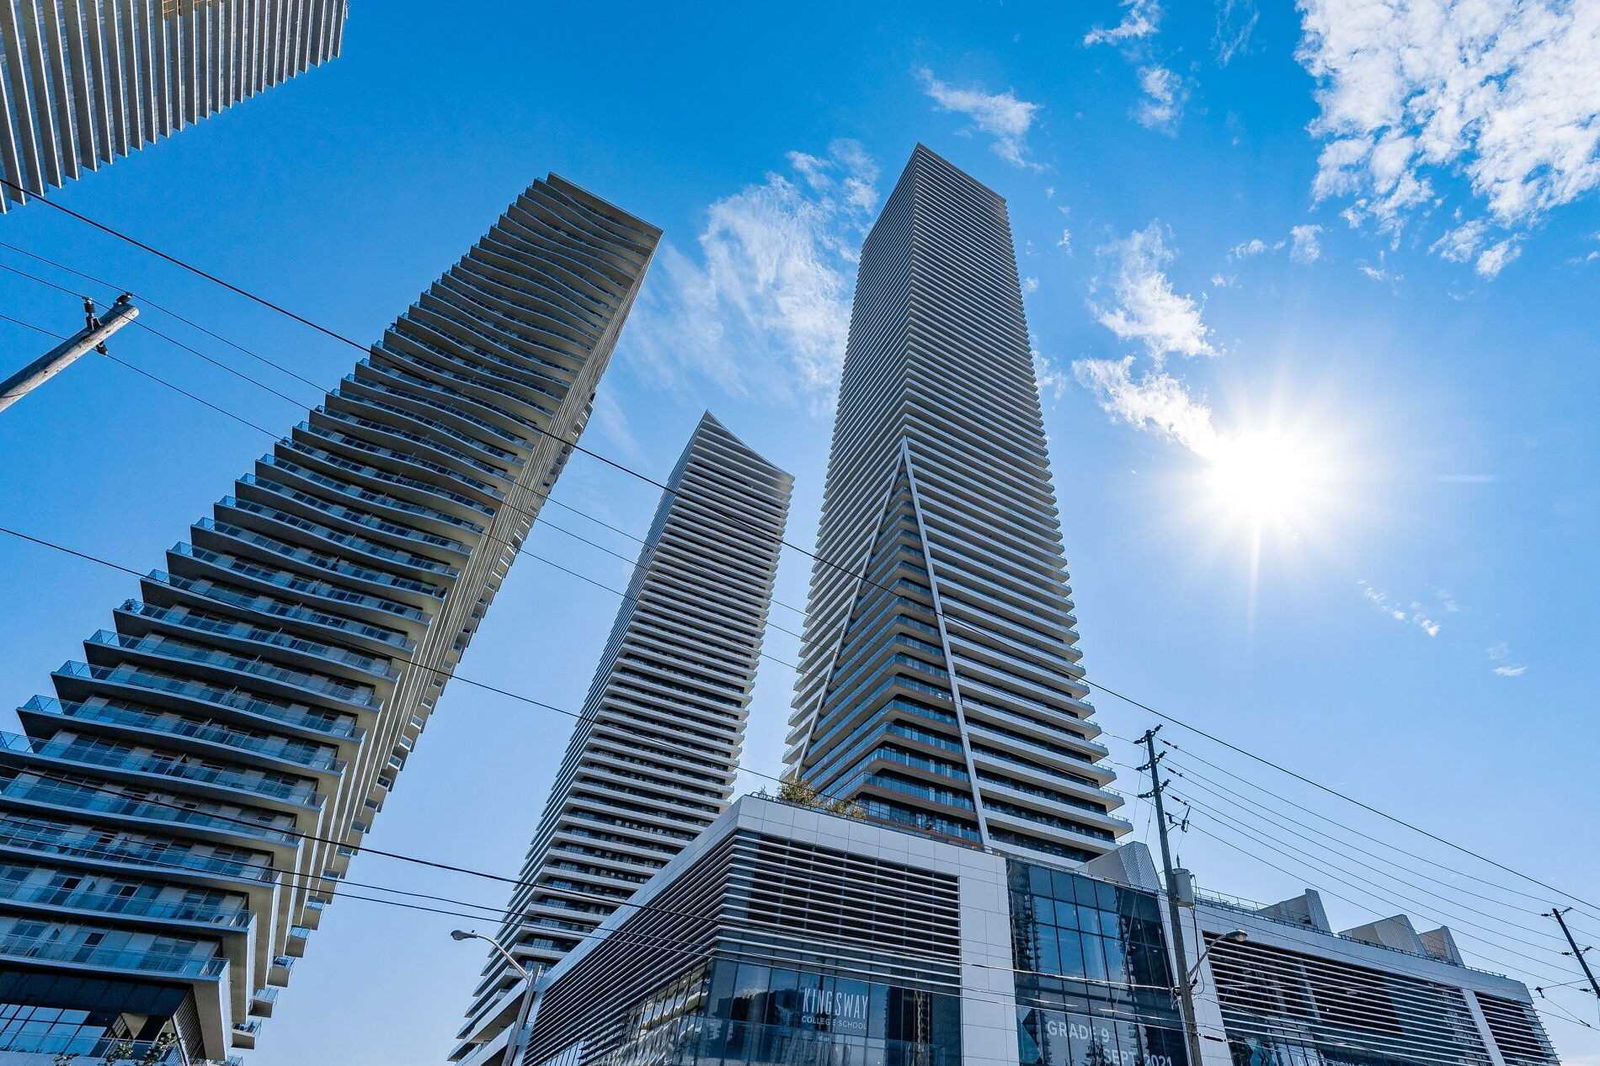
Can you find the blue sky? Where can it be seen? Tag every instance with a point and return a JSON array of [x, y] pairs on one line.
[[1312, 290]]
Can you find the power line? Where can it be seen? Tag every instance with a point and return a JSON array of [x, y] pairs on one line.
[[1279, 797], [1257, 811], [862, 577]]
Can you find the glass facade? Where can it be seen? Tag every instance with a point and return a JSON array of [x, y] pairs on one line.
[[1093, 984], [728, 1012]]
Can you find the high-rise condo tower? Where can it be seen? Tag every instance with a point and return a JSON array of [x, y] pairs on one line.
[[940, 684], [652, 761], [178, 815], [85, 82]]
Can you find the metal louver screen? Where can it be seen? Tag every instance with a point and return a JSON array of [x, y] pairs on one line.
[[1272, 995]]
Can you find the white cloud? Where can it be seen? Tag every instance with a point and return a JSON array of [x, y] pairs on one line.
[[1001, 115], [1066, 240], [1051, 379], [1156, 402], [1511, 671], [1494, 258], [1030, 286], [1304, 245], [1417, 615], [1144, 306], [1236, 21], [1161, 106], [1141, 19], [770, 288], [1253, 246], [1501, 92]]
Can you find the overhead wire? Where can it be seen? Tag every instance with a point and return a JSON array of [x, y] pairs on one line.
[[862, 577]]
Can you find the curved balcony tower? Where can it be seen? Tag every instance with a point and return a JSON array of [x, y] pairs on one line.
[[180, 812], [940, 684], [653, 760]]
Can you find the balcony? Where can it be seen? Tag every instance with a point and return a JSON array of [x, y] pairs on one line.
[[364, 518], [321, 560], [276, 608], [46, 840], [186, 619], [368, 496], [285, 579], [217, 917], [57, 795], [299, 753], [39, 949], [343, 691], [79, 753], [237, 699]]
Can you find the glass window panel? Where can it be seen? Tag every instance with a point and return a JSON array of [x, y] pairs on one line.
[[1071, 954], [1107, 895], [1065, 885], [749, 992], [1039, 881], [1067, 914], [1044, 910], [1049, 953], [1030, 1037], [1085, 892], [1094, 959], [1116, 960], [1111, 923]]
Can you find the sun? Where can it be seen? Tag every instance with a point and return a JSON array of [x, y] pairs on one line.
[[1269, 480]]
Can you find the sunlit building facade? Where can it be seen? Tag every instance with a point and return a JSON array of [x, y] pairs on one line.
[[177, 816], [940, 685], [652, 762], [85, 82]]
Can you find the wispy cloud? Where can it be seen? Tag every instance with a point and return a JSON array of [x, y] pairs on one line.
[[767, 298], [1412, 91], [1163, 95], [1137, 302], [1414, 613], [1144, 307], [1304, 244], [1140, 19], [1236, 21], [1500, 655], [1153, 401], [1003, 116]]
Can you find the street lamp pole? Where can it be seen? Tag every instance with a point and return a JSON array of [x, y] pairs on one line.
[[518, 1040]]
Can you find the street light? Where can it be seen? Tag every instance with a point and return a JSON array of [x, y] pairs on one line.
[[1236, 937], [518, 1039]]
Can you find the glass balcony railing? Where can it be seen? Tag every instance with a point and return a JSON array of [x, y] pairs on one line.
[[365, 519], [37, 947], [366, 495], [298, 583], [281, 609], [318, 559], [224, 917], [389, 477], [439, 398], [343, 691], [297, 752], [48, 840], [371, 664], [351, 541], [90, 754], [482, 374], [197, 690], [86, 800]]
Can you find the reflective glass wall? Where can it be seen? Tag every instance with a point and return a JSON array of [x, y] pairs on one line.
[[732, 1013], [1093, 984]]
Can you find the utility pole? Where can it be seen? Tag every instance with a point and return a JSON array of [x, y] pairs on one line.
[[1558, 914], [1185, 986], [91, 337]]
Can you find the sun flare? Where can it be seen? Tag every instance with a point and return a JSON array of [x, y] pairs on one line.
[[1266, 478]]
